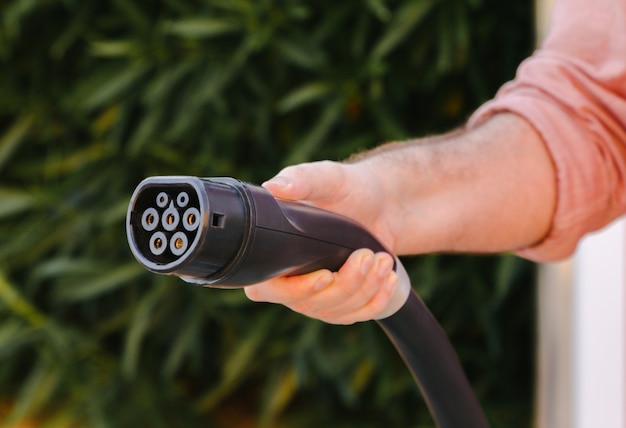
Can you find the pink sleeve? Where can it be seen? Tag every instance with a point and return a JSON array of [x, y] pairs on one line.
[[573, 91]]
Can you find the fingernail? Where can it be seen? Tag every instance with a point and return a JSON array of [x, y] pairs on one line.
[[366, 263], [383, 266], [280, 181], [323, 281]]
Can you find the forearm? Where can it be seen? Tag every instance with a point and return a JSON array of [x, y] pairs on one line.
[[489, 189]]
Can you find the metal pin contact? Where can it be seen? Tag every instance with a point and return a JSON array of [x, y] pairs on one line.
[[158, 243], [191, 219], [182, 199], [170, 218], [179, 243], [162, 199], [150, 219]]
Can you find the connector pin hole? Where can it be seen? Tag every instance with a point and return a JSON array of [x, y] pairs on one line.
[[162, 199], [158, 243], [182, 199], [150, 219], [191, 219], [179, 243], [170, 218]]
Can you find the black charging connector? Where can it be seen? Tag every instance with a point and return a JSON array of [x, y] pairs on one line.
[[227, 233], [222, 232]]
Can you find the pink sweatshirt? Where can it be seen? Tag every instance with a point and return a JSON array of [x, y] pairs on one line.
[[573, 91]]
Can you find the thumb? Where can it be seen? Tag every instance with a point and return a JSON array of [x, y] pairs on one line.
[[313, 182]]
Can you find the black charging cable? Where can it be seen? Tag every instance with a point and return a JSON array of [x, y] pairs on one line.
[[435, 366]]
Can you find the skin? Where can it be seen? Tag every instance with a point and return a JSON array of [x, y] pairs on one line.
[[489, 189]]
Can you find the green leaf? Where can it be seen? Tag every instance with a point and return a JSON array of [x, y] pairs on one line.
[[79, 159], [139, 18], [303, 95], [302, 53], [182, 345], [306, 146], [16, 12], [239, 362], [200, 28], [111, 86], [404, 21], [20, 306], [114, 48], [13, 336], [37, 391], [14, 201], [14, 136], [103, 283], [163, 85], [65, 266], [507, 270], [379, 8], [278, 396], [138, 329]]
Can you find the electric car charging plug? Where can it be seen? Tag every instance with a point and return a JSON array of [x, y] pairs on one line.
[[222, 232]]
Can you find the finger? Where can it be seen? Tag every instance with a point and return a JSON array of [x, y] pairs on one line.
[[356, 292], [286, 290], [314, 181], [375, 306], [346, 283]]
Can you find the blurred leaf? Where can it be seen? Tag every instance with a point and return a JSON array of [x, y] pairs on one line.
[[114, 48], [300, 52], [182, 344], [379, 8], [17, 304], [36, 392], [78, 159], [102, 283], [164, 84], [13, 336], [200, 27], [134, 15], [13, 201], [279, 394], [111, 86], [16, 12], [362, 375], [14, 136], [239, 362], [138, 328], [507, 270], [315, 136], [308, 93], [410, 15]]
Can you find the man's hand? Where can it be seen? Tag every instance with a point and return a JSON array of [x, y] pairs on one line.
[[343, 188], [489, 189], [361, 290]]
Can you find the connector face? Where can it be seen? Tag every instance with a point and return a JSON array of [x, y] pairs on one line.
[[165, 223]]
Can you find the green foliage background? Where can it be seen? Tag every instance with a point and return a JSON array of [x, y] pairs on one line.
[[96, 95]]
